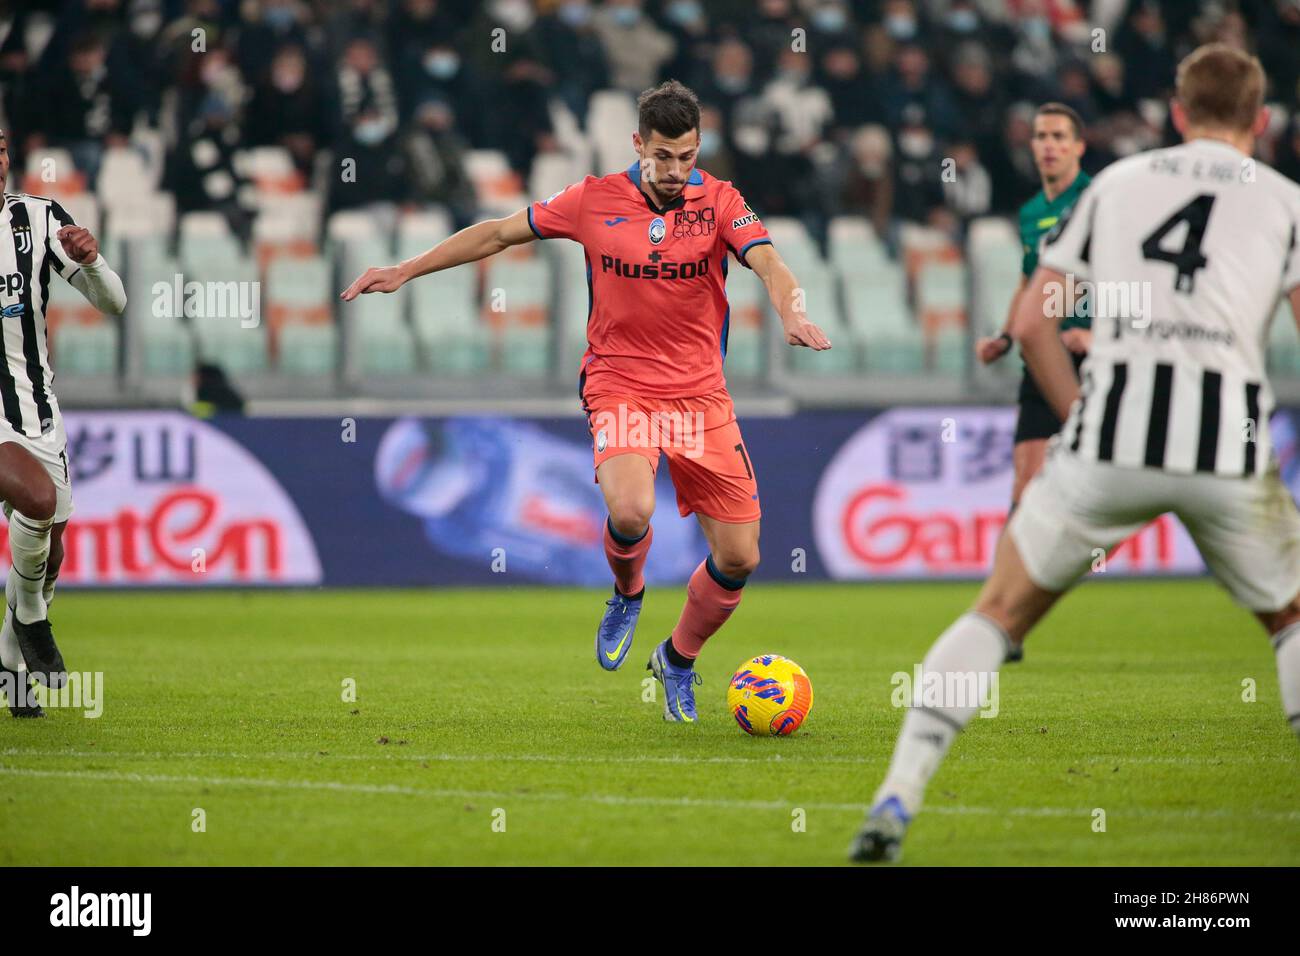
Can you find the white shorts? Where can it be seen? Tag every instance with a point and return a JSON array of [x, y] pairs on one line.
[[1247, 529], [51, 451]]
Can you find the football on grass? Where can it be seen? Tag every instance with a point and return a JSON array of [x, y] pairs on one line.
[[769, 695]]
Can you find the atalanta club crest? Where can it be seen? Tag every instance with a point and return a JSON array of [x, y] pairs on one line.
[[657, 230]]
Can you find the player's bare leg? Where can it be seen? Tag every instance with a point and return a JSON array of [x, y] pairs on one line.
[[1027, 458], [971, 650], [628, 484], [1283, 627], [31, 500]]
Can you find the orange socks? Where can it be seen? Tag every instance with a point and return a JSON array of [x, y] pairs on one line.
[[710, 599], [627, 559]]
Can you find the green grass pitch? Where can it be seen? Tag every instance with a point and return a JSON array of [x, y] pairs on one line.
[[477, 708]]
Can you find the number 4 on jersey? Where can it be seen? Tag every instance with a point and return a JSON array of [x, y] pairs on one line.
[[1188, 259]]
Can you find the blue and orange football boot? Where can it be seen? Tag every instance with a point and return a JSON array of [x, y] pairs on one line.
[[614, 636], [679, 690]]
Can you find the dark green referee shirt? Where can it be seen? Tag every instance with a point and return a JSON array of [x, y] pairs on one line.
[[1038, 216]]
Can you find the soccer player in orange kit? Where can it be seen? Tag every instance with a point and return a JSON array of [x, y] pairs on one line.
[[656, 238]]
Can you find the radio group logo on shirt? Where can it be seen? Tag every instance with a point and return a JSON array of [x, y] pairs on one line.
[[694, 222]]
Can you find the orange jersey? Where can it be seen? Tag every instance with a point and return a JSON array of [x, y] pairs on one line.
[[656, 279]]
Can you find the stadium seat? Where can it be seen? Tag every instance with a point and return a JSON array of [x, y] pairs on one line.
[[746, 352], [166, 343], [525, 350], [84, 210], [307, 349], [82, 340], [950, 350], [124, 177], [854, 245], [517, 290], [795, 245], [445, 319], [418, 231], [80, 349], [298, 301]]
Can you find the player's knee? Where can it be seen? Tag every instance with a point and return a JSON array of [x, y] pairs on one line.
[[736, 563], [40, 501], [630, 514], [1282, 618]]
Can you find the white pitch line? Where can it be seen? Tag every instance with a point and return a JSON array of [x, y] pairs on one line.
[[394, 753], [112, 776]]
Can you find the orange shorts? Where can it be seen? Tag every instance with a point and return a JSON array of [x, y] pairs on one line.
[[700, 436]]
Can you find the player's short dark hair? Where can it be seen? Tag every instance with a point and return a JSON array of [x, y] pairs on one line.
[[1060, 109], [670, 109], [1220, 86]]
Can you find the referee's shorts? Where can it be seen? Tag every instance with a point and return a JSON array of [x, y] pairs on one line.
[[1036, 419]]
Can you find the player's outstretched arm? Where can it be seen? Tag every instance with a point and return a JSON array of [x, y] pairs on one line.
[[100, 285], [1035, 327], [472, 243], [787, 298]]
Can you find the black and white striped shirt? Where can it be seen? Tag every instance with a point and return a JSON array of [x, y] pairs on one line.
[[1186, 251], [29, 252]]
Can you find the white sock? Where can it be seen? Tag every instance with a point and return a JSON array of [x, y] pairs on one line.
[[29, 544], [973, 644], [10, 654], [1286, 644]]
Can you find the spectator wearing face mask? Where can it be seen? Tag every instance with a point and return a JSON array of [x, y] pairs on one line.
[[514, 72], [768, 33], [200, 167], [135, 54], [277, 23], [968, 193], [365, 120], [687, 22], [919, 191], [435, 162], [803, 109], [715, 154], [912, 83], [866, 180], [572, 50], [438, 71], [853, 96], [729, 78], [829, 23], [979, 102], [81, 107], [287, 108], [635, 48], [415, 25]]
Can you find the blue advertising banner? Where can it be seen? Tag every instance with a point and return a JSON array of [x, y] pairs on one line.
[[163, 499]]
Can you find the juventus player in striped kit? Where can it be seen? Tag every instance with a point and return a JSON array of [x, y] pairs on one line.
[[1173, 412], [36, 238]]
